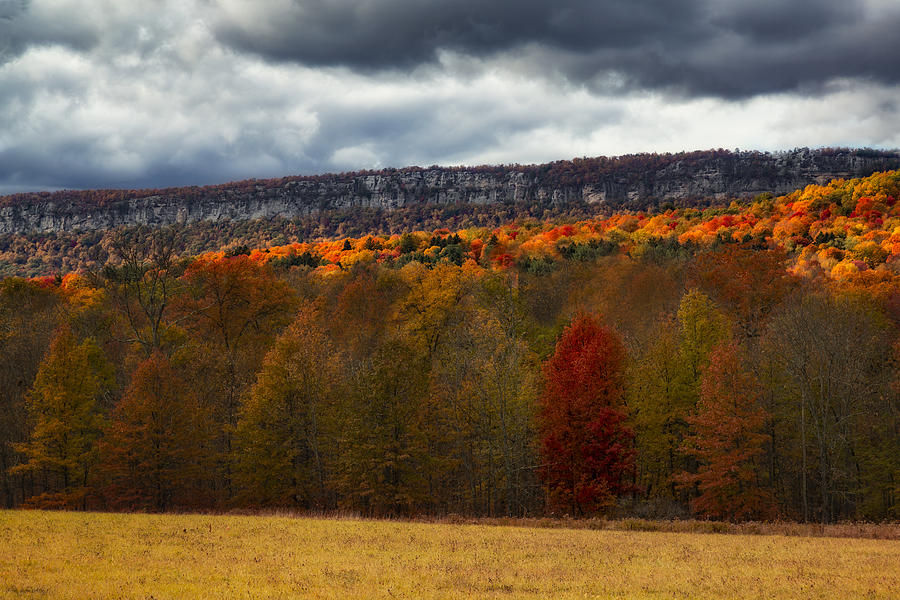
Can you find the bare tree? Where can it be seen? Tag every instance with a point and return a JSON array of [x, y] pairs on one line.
[[143, 283], [833, 354]]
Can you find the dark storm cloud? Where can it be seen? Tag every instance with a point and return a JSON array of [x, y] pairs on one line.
[[772, 21], [22, 27], [384, 34], [725, 48]]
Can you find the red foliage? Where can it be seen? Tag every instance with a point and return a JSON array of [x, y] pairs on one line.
[[47, 282], [504, 260], [587, 451], [558, 232], [475, 248]]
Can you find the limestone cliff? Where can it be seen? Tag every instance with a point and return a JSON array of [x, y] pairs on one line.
[[635, 182]]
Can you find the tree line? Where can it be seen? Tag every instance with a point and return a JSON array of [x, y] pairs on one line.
[[714, 383]]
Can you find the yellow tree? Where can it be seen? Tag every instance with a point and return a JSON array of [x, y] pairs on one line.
[[655, 381], [434, 294], [286, 424], [64, 407]]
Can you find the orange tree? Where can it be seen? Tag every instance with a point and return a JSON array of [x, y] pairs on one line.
[[726, 440], [151, 451]]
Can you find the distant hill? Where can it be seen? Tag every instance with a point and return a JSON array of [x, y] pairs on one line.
[[636, 182]]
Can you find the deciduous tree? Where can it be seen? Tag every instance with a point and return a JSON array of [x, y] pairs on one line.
[[234, 307], [28, 314], [143, 283], [483, 393], [64, 407], [586, 448], [285, 433], [151, 450], [726, 439]]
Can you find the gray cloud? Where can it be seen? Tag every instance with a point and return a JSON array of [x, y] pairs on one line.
[[725, 48], [387, 34], [104, 93], [21, 27]]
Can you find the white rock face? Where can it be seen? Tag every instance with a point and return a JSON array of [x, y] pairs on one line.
[[734, 175]]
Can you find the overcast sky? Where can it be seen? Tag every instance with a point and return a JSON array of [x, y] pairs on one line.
[[112, 93]]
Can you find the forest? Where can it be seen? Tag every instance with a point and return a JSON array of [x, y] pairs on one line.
[[735, 362]]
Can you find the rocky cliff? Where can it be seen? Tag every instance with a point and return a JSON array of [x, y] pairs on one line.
[[635, 182]]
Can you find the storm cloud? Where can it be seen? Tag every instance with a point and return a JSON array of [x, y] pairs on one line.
[[24, 24], [104, 93], [724, 48]]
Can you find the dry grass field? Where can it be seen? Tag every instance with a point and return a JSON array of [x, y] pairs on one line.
[[86, 555]]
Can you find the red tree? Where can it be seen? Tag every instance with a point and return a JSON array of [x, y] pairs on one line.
[[587, 450], [726, 439]]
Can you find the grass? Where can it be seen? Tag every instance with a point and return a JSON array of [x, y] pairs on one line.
[[882, 531], [94, 555]]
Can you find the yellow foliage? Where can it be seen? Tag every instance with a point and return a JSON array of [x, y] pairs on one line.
[[844, 270]]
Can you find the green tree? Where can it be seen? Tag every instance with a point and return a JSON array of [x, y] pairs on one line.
[[835, 353], [656, 387], [665, 388], [484, 390], [384, 460]]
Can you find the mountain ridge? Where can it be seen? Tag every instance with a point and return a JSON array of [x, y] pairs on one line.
[[636, 182]]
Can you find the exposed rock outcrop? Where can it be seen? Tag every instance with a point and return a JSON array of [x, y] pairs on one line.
[[635, 181]]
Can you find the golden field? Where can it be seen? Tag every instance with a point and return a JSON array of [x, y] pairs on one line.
[[93, 555]]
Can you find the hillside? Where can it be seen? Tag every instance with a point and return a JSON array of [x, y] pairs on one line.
[[635, 182], [846, 221], [749, 367]]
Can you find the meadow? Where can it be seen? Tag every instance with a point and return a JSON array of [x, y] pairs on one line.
[[96, 555]]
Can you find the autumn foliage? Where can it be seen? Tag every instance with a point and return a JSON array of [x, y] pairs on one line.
[[441, 371], [65, 408], [586, 448], [150, 455], [727, 439]]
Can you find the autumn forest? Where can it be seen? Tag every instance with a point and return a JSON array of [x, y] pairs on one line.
[[735, 362]]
